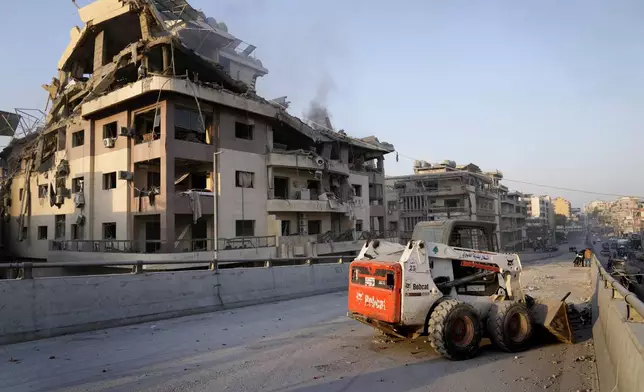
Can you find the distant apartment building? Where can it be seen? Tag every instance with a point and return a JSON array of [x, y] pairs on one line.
[[540, 224], [562, 206], [136, 158], [442, 191], [513, 215], [625, 214], [598, 205]]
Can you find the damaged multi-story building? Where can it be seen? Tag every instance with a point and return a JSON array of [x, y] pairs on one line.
[[449, 191], [156, 142]]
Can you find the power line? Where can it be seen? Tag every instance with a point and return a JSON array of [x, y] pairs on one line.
[[541, 185]]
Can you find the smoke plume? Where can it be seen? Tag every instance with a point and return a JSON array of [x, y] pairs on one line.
[[318, 112]]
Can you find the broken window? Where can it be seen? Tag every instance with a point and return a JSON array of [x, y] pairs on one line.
[[357, 190], [285, 228], [147, 126], [243, 131], [314, 227], [314, 189], [190, 126], [59, 226], [109, 180], [199, 180], [109, 130], [78, 138], [154, 180], [77, 184], [244, 179], [77, 232], [109, 231], [244, 228], [62, 139], [42, 232], [281, 187], [42, 191]]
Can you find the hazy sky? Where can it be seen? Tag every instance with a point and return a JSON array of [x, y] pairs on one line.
[[547, 91]]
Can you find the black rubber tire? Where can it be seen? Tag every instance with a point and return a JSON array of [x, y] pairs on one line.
[[500, 323], [441, 335]]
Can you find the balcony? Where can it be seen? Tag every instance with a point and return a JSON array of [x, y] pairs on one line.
[[440, 191], [282, 205], [303, 161], [485, 211]]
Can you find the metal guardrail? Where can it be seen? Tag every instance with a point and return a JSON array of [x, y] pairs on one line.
[[159, 246], [634, 307], [25, 269]]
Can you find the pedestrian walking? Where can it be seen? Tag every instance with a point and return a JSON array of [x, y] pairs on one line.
[[587, 255]]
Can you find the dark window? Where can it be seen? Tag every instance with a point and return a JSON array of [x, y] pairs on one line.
[[147, 126], [77, 184], [21, 192], [286, 227], [42, 232], [62, 139], [359, 225], [154, 180], [357, 190], [25, 232], [393, 226], [109, 231], [59, 226], [451, 203], [109, 130], [109, 180], [244, 228], [78, 138], [60, 182], [77, 232], [42, 191], [281, 187], [314, 227], [244, 179], [243, 131], [190, 126], [314, 189], [392, 205]]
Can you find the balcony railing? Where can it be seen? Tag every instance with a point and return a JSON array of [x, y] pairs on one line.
[[159, 246]]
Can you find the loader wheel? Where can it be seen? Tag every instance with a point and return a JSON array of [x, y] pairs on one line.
[[510, 326], [454, 330]]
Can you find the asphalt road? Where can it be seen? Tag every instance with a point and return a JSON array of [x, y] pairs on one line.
[[302, 345]]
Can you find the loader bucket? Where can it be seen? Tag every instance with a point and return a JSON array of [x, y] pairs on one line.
[[553, 315]]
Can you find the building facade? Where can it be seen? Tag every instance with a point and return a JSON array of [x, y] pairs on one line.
[[443, 191], [562, 207], [137, 158]]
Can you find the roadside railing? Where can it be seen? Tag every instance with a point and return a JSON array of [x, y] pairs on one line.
[[159, 246], [25, 269], [634, 306]]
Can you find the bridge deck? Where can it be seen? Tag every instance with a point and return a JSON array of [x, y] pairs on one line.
[[300, 345]]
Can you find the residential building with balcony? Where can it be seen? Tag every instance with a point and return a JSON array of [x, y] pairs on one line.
[[513, 215], [443, 191], [151, 147]]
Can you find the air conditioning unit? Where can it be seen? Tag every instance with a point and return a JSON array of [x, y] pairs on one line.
[[108, 142], [60, 199], [125, 131], [80, 220], [319, 161], [79, 199], [125, 175]]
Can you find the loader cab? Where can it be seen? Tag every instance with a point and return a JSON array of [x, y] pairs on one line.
[[459, 234]]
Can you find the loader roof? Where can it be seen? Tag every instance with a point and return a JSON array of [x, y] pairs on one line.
[[441, 231]]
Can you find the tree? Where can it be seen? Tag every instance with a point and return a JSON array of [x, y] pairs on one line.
[[560, 220]]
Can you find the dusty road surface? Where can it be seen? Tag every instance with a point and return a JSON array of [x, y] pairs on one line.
[[302, 345]]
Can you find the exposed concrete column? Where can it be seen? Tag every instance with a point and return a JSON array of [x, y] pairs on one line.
[[381, 164], [344, 154], [269, 138], [271, 182], [145, 26], [166, 58], [100, 51], [167, 176]]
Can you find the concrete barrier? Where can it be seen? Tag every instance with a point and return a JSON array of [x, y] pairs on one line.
[[45, 307], [619, 341]]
